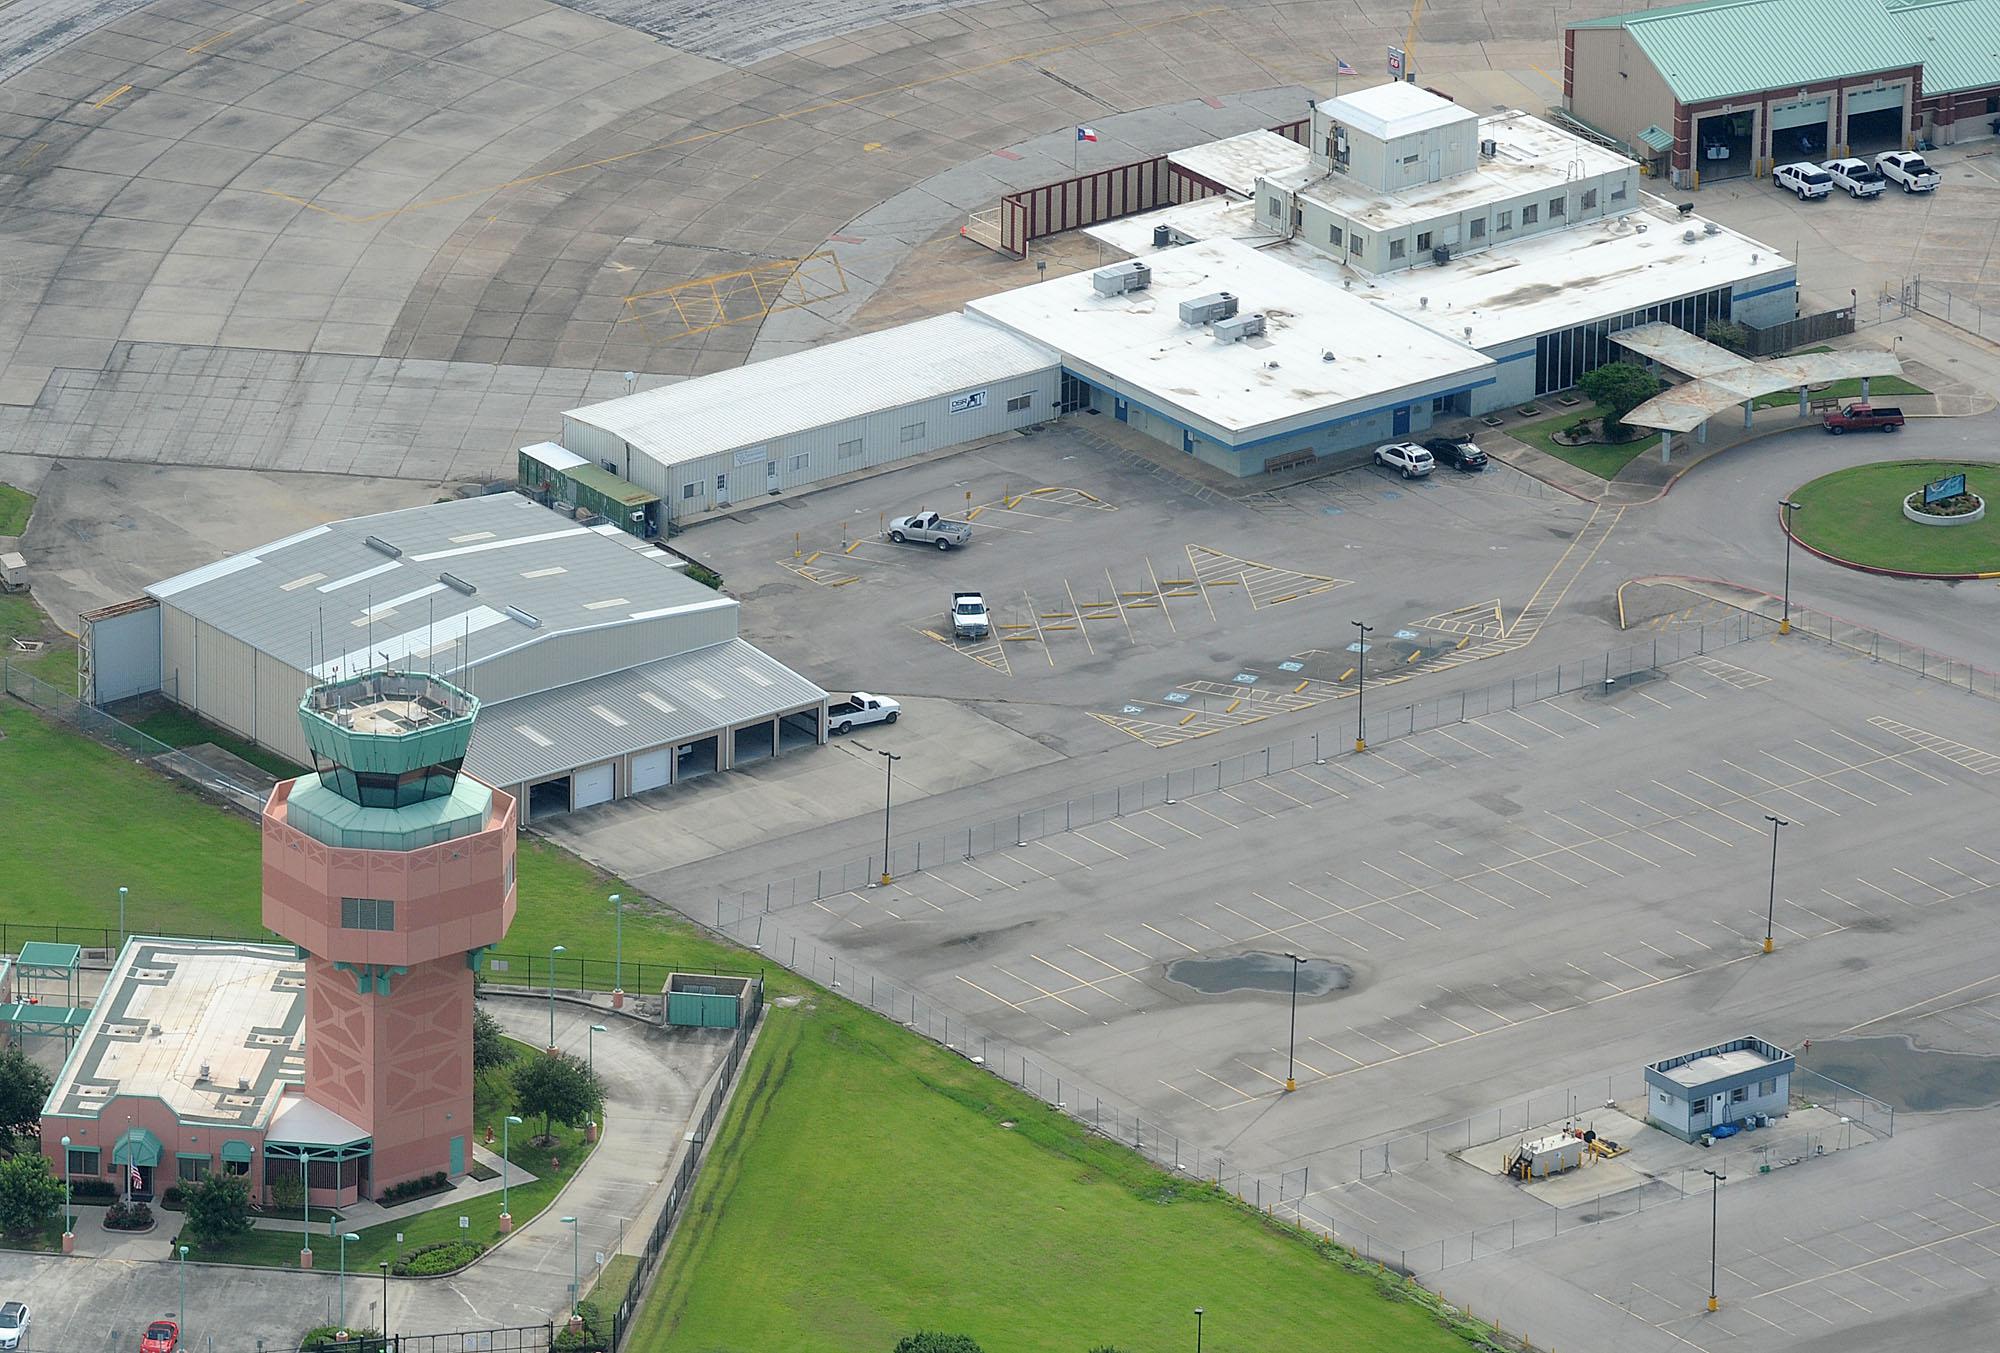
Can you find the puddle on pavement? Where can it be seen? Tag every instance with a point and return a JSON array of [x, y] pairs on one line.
[[1914, 1079], [1259, 972]]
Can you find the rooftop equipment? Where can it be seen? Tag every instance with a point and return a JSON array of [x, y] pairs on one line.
[[1208, 309]]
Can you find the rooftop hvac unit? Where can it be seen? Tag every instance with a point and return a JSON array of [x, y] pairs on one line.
[[1208, 309], [1441, 254], [1120, 278], [1489, 147], [1236, 328]]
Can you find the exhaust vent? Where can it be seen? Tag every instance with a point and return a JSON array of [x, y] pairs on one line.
[[382, 546], [456, 583]]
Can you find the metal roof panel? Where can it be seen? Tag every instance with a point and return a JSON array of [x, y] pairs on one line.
[[1721, 48]]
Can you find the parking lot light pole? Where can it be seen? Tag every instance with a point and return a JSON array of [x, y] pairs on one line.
[[1714, 1215], [121, 918], [1197, 1329], [889, 760], [383, 1264], [506, 1142], [575, 1265], [1771, 905], [180, 1310], [345, 1236], [69, 1206], [1788, 507], [1361, 685], [590, 1046], [1292, 1040], [618, 942], [558, 949]]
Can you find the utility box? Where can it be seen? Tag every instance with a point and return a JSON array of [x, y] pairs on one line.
[[706, 1001], [1119, 278], [1239, 327], [1546, 1156], [1208, 309], [13, 573]]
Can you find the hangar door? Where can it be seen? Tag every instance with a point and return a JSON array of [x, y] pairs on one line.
[[649, 769], [1876, 119], [591, 785], [1798, 130]]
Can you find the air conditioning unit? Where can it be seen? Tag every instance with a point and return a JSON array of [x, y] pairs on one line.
[[1236, 328], [1441, 254], [1208, 309], [1119, 278], [1489, 147]]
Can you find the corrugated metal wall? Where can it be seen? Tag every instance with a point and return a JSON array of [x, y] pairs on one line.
[[124, 654], [231, 685], [593, 443], [563, 659], [809, 457]]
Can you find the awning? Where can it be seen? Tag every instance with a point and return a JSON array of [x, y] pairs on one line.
[[299, 1126], [236, 1151], [1660, 141], [136, 1146]]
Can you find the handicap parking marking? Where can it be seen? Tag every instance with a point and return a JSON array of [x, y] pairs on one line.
[[987, 652]]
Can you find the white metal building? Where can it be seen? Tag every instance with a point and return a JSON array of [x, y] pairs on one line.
[[603, 671], [725, 438]]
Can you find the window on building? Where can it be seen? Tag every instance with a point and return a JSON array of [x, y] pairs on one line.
[[1354, 245], [1273, 208], [1663, 1096], [190, 1169], [913, 432], [690, 490], [1395, 248], [1558, 208], [1739, 1094], [1476, 228], [799, 463], [1699, 1108], [367, 913], [1589, 198], [721, 485], [1765, 1089], [1503, 220], [1530, 214], [1333, 234], [236, 1167], [1423, 240], [82, 1160], [1618, 191], [1409, 159], [849, 450], [1020, 403]]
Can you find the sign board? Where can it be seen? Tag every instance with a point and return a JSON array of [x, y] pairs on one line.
[[967, 403], [465, 1223], [752, 456], [1951, 486], [1396, 62], [496, 965]]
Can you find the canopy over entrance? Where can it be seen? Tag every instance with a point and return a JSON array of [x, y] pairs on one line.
[[1721, 379]]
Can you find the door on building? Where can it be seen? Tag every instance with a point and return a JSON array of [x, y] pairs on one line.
[[1401, 426], [721, 489], [1722, 146], [771, 476], [649, 769], [1118, 411], [457, 1156], [1074, 395], [1876, 121], [1798, 131], [592, 785]]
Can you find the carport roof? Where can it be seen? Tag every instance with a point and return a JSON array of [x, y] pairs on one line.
[[1720, 48], [1958, 41], [690, 695]]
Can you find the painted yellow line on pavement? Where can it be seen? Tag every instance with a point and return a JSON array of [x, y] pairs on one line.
[[113, 96]]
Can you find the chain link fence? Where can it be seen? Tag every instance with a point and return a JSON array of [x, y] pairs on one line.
[[1939, 302]]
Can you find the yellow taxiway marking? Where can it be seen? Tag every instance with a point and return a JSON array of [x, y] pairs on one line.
[[113, 96]]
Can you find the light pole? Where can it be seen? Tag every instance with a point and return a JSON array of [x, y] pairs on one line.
[[888, 784], [1197, 1329], [558, 949], [121, 918], [383, 1264], [575, 1264], [1714, 1216], [1787, 507], [618, 943], [1361, 685], [69, 1207], [345, 1236], [590, 1046], [1771, 906], [506, 1137], [180, 1310], [1292, 1041]]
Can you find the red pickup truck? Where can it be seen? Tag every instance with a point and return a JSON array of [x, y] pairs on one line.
[[1861, 416]]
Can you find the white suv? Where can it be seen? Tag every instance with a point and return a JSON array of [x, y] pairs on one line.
[[1807, 180], [13, 1324], [1408, 457]]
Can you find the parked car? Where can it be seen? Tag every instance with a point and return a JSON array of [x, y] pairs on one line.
[[1805, 179], [849, 713], [162, 1336], [1461, 453], [928, 528], [1715, 148], [1856, 176], [968, 616], [13, 1324], [1909, 169], [1412, 460], [1859, 417]]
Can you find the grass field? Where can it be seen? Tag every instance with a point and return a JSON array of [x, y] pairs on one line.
[[1879, 387], [1857, 515], [909, 1189], [178, 727], [1603, 461], [14, 509]]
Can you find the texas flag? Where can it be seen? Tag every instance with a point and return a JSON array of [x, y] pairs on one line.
[[1342, 68], [1086, 134]]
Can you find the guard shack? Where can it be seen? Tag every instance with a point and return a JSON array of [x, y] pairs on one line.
[[557, 477], [706, 1001], [1731, 1082]]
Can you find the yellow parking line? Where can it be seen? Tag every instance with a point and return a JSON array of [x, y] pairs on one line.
[[210, 42]]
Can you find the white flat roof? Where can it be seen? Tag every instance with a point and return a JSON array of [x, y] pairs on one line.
[[1236, 161], [299, 1121], [748, 405], [1236, 392], [1717, 1065], [1206, 218], [1387, 111], [1533, 156]]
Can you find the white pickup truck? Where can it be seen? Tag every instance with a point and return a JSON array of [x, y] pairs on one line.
[[928, 528], [1804, 178], [1909, 169], [1855, 177], [968, 616], [850, 712]]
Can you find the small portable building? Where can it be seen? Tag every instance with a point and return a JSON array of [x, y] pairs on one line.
[[709, 1001], [1697, 1092], [559, 478]]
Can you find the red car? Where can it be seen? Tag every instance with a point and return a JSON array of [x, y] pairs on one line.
[[162, 1336]]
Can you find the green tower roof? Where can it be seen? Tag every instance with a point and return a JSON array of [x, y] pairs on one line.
[[387, 723]]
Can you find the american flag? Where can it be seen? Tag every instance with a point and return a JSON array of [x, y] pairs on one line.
[[138, 1181], [1342, 68], [1086, 134]]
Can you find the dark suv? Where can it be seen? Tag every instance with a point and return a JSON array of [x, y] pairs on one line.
[[1460, 455]]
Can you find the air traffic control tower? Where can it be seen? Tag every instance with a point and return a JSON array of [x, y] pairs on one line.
[[393, 873]]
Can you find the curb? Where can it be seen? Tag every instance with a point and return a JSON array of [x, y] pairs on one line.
[[1882, 572]]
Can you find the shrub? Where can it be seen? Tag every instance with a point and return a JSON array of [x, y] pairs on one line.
[[929, 1341], [357, 1341], [124, 1216], [1726, 334], [704, 575], [414, 1188], [489, 1045], [1618, 388], [1578, 430], [91, 1187], [173, 1198], [593, 1337], [217, 1208], [430, 1260], [29, 1194], [288, 1193]]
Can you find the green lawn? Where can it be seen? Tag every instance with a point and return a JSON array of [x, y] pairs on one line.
[[525, 1201], [1878, 387], [920, 1209], [1857, 515], [14, 509], [1603, 461], [47, 1239], [56, 664], [179, 727]]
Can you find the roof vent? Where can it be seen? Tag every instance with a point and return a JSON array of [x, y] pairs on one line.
[[1119, 278], [1689, 237], [1236, 328], [1711, 228], [377, 543], [516, 613], [456, 583], [1489, 147], [1423, 302], [1208, 309]]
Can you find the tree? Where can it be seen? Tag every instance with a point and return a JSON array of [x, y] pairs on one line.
[[216, 1208], [558, 1086], [1618, 388], [489, 1046], [24, 1089], [29, 1194], [1727, 334], [929, 1341]]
